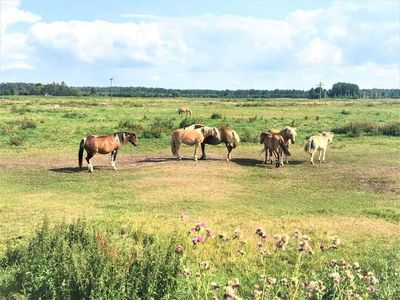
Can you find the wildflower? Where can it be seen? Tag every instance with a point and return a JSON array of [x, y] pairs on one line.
[[261, 233], [294, 280], [234, 282], [297, 234], [348, 275], [281, 241], [179, 249], [322, 247], [371, 289], [214, 285], [229, 293], [184, 216], [356, 267], [197, 239], [370, 277], [224, 237], [333, 263], [314, 287], [284, 282], [198, 227], [305, 246], [237, 234], [335, 242], [186, 272], [204, 265], [209, 232], [335, 276], [259, 245]]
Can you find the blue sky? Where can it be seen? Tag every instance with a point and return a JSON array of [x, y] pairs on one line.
[[229, 44]]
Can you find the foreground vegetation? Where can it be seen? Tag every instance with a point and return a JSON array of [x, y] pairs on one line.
[[136, 218]]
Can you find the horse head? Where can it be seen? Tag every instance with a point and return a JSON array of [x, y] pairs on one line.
[[262, 137], [329, 136], [132, 138], [292, 134]]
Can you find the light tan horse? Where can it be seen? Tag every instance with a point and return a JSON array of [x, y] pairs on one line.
[[104, 144], [184, 110], [274, 144], [191, 137], [289, 134], [318, 143], [227, 136]]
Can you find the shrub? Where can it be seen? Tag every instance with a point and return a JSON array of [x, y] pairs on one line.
[[345, 112], [15, 141], [248, 137], [391, 128], [252, 119], [131, 126], [74, 115], [159, 127], [20, 110], [187, 121], [78, 261], [28, 123], [216, 116], [358, 128]]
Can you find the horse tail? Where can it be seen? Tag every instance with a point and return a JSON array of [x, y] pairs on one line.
[[236, 139], [309, 146], [80, 153], [173, 147], [284, 147]]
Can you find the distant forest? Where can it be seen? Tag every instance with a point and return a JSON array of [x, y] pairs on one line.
[[338, 90]]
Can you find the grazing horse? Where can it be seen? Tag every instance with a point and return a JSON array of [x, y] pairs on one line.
[[104, 144], [184, 110], [228, 136], [318, 143], [289, 135], [274, 144], [191, 137]]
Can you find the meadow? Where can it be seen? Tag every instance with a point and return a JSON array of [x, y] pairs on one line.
[[217, 229]]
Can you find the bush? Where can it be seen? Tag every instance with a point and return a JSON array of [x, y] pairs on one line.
[[216, 116], [159, 127], [74, 115], [28, 123], [358, 128], [78, 261], [345, 112], [248, 137], [187, 121], [15, 141]]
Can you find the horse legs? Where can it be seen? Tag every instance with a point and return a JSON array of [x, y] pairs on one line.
[[203, 151], [320, 154], [312, 158], [177, 146], [323, 156], [196, 147], [277, 156], [88, 158], [229, 155], [114, 158]]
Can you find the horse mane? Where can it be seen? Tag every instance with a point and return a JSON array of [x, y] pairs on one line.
[[121, 136]]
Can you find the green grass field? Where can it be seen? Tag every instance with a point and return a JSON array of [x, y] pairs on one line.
[[355, 195]]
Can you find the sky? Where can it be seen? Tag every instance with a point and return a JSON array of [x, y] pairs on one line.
[[216, 44]]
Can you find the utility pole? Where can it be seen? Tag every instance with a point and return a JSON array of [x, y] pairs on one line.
[[111, 79], [320, 90]]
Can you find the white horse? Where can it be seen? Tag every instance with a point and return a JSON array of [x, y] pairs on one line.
[[318, 143]]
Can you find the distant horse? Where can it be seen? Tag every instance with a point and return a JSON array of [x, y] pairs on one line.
[[184, 110], [318, 143], [228, 136], [191, 137], [104, 144], [274, 144], [289, 134]]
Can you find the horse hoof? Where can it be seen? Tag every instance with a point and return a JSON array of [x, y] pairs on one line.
[[203, 158], [195, 158]]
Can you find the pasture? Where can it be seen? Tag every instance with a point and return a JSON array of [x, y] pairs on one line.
[[355, 195]]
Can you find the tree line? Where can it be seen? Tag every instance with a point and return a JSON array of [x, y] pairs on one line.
[[338, 90]]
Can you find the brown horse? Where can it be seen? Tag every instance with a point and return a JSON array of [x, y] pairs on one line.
[[289, 135], [227, 136], [104, 144], [274, 144], [184, 110], [191, 137]]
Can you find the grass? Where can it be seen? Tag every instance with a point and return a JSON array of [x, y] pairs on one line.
[[354, 196]]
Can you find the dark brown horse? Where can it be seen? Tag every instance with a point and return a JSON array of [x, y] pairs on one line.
[[227, 136], [104, 144]]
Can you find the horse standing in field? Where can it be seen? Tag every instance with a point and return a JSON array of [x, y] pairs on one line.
[[318, 143], [105, 144], [227, 136], [192, 137], [274, 144], [289, 135], [184, 110]]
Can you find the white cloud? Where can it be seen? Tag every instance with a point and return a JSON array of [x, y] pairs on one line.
[[15, 50], [320, 52]]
